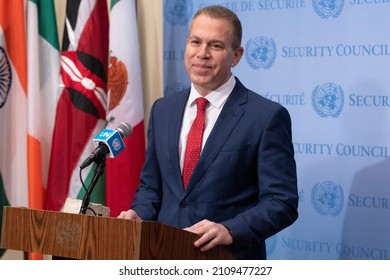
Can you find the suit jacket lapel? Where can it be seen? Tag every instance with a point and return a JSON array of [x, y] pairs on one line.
[[227, 120], [176, 116]]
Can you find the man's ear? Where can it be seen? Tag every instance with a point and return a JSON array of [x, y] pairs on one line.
[[238, 53]]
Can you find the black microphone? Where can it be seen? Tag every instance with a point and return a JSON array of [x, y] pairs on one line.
[[108, 143]]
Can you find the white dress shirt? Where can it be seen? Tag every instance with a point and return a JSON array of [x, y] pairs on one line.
[[217, 99]]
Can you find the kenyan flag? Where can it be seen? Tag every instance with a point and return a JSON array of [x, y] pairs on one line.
[[81, 108]]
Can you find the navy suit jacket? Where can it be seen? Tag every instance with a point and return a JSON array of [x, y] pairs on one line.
[[245, 178]]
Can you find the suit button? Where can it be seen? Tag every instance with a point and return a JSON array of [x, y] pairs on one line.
[[183, 204]]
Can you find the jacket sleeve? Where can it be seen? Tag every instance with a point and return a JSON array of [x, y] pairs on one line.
[[147, 200], [277, 203]]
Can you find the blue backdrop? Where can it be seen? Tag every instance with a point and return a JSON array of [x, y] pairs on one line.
[[328, 63]]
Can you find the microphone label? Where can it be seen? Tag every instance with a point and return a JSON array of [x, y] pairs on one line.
[[112, 139]]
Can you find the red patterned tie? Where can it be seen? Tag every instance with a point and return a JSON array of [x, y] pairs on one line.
[[194, 141]]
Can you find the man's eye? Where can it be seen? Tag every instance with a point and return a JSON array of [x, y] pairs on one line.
[[216, 46], [194, 42]]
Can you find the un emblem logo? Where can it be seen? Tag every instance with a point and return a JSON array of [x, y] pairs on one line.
[[328, 100], [178, 12], [175, 87], [116, 144], [260, 52], [327, 198], [5, 77], [328, 8]]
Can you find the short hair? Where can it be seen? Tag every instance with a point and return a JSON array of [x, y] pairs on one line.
[[220, 12]]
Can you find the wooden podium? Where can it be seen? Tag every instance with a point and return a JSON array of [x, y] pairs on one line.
[[87, 237]]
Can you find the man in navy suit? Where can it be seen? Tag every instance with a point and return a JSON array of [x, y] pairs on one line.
[[244, 186]]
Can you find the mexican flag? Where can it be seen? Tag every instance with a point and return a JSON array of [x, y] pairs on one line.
[[125, 104], [13, 105]]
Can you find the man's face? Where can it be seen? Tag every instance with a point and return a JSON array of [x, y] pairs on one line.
[[209, 54]]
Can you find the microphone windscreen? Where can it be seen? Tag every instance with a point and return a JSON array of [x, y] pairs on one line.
[[124, 129]]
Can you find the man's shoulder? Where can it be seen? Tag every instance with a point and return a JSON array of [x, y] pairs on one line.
[[179, 95], [251, 95], [256, 98], [173, 98]]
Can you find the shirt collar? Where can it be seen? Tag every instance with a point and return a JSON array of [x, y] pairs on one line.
[[217, 97]]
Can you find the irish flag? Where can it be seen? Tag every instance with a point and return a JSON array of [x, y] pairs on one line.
[[125, 105], [43, 78], [13, 105], [43, 92]]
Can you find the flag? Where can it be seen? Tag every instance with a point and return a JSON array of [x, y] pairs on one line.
[[42, 87], [125, 105], [13, 105], [43, 80], [81, 108]]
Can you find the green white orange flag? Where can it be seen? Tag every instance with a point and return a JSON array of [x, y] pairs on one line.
[[13, 105], [43, 91], [43, 78], [125, 105]]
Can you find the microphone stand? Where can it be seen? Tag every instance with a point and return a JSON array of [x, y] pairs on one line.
[[99, 170]]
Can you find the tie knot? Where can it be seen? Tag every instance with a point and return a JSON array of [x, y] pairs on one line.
[[201, 103]]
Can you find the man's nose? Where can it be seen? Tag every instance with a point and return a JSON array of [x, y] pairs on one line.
[[204, 51]]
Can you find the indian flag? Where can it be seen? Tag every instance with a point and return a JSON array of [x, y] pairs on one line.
[[13, 105], [125, 105]]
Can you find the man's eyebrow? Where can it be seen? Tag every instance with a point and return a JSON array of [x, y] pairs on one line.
[[193, 37], [209, 42]]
